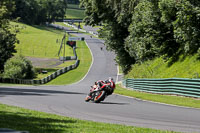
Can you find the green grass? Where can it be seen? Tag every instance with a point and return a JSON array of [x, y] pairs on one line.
[[66, 63], [52, 70], [49, 71], [77, 74], [188, 67], [38, 122], [73, 6], [120, 70], [75, 14], [32, 38], [40, 41], [173, 100]]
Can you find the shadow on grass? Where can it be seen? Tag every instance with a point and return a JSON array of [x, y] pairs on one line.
[[34, 92], [34, 123], [49, 70]]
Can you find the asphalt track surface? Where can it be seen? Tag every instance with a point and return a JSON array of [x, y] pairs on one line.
[[69, 101]]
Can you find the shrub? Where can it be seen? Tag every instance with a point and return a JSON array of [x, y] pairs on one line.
[[19, 67]]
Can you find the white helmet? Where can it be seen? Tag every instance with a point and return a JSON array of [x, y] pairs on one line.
[[110, 79]]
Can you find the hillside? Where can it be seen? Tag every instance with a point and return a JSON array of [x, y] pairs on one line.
[[74, 12], [188, 67], [40, 41]]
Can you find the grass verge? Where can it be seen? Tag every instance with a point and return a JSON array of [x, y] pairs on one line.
[[77, 74], [40, 41], [41, 75], [167, 99], [185, 67], [74, 6], [38, 122], [75, 14]]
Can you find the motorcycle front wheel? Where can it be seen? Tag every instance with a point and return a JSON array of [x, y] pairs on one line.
[[99, 96]]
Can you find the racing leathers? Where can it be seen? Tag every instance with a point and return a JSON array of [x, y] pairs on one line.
[[108, 86]]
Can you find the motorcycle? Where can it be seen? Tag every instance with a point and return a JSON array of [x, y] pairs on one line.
[[97, 94]]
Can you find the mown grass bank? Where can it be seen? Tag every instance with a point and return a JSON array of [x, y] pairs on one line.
[[40, 41], [167, 99], [32, 39], [38, 122], [185, 67], [75, 14], [77, 74]]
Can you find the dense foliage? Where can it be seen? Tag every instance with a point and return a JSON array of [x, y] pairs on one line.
[[39, 11], [7, 33], [19, 67], [73, 1], [113, 14], [140, 30]]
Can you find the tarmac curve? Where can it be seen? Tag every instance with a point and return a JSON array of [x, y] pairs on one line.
[[68, 100]]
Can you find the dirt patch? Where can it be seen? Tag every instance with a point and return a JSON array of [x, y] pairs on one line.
[[45, 62]]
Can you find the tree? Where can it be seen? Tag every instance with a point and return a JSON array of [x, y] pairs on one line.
[[7, 35], [19, 67], [55, 9], [26, 10], [73, 1], [144, 32], [39, 11], [116, 16], [186, 26]]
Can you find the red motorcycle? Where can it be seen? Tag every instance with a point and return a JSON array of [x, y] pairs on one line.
[[101, 90], [97, 94]]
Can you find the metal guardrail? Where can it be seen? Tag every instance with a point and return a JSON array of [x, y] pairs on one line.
[[171, 86], [41, 81]]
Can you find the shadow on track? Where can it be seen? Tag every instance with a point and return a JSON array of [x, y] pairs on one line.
[[38, 92], [113, 103]]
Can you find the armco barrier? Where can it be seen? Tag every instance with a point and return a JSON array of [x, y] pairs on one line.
[[41, 81], [50, 77], [172, 86]]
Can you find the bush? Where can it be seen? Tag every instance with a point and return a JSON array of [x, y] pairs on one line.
[[19, 67]]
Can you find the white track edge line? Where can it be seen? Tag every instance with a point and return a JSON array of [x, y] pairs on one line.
[[89, 68]]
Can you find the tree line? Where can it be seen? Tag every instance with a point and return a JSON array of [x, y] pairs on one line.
[[140, 30], [7, 35], [39, 11], [73, 1], [31, 12]]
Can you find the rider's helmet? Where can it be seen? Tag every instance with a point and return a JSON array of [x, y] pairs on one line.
[[110, 79], [112, 83]]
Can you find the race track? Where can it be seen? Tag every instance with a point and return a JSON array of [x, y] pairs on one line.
[[69, 101]]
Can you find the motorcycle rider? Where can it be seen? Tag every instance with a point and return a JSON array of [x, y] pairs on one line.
[[108, 85]]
